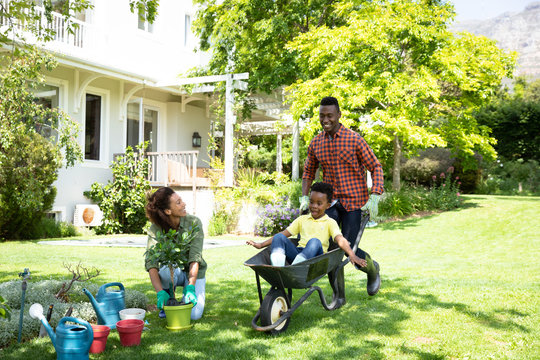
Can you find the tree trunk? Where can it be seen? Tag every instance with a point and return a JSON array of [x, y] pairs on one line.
[[171, 269], [396, 169]]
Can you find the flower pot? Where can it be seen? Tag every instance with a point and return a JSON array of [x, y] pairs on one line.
[[101, 332], [132, 313], [178, 316], [130, 331]]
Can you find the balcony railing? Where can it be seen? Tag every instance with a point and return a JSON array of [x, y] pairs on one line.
[[79, 36]]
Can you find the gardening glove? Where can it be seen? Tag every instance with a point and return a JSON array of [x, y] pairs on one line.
[[189, 294], [162, 297], [304, 203], [372, 205]]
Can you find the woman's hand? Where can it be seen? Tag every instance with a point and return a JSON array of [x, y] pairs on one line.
[[257, 245]]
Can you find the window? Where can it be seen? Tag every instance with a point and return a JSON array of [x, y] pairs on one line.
[[92, 129], [143, 24], [146, 130], [47, 95]]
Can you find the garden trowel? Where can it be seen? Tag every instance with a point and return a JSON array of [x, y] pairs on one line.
[[42, 330]]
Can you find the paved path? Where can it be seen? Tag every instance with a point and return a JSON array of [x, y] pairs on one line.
[[133, 241]]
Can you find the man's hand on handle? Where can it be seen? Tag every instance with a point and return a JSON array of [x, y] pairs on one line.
[[304, 203], [372, 206]]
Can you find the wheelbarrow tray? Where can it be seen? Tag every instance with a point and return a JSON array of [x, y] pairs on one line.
[[299, 276]]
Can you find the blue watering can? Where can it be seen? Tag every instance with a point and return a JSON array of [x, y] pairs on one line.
[[108, 304], [71, 342]]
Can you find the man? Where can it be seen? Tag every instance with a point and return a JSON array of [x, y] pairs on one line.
[[344, 157]]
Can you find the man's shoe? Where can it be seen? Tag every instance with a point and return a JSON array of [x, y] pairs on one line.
[[162, 314]]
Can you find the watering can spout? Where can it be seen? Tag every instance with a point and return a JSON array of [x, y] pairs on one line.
[[94, 302]]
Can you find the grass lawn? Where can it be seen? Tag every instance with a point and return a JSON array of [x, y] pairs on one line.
[[463, 284]]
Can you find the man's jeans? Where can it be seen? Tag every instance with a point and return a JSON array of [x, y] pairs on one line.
[[282, 244], [181, 279], [349, 221]]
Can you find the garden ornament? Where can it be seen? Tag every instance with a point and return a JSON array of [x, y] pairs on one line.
[[304, 203], [372, 205], [71, 342], [25, 275], [108, 304]]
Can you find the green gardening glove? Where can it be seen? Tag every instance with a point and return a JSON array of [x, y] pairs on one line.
[[304, 203], [162, 297], [189, 294], [372, 206]]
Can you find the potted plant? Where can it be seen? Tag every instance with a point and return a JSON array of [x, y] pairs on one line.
[[172, 250]]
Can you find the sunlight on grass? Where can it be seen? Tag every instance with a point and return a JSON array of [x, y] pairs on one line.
[[456, 285]]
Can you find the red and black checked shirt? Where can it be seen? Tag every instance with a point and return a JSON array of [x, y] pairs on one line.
[[344, 160]]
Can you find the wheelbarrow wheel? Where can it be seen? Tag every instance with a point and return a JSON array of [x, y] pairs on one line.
[[273, 306]]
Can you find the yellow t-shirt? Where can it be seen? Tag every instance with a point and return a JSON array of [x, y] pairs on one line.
[[322, 228]]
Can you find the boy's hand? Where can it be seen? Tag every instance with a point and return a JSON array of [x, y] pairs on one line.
[[254, 244], [358, 261]]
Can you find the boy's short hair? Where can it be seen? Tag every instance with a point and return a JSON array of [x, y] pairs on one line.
[[330, 100], [324, 188]]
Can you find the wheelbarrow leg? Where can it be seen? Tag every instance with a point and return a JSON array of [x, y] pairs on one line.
[[337, 282]]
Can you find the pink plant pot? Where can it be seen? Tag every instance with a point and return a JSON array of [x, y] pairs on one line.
[[101, 332]]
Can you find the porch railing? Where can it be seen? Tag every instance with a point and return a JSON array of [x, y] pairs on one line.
[[174, 168]]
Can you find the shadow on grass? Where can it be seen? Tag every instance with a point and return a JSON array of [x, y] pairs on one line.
[[225, 330]]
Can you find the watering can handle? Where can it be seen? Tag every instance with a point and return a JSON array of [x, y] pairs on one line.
[[102, 288], [90, 336]]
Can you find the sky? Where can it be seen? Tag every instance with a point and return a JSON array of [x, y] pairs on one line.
[[486, 9]]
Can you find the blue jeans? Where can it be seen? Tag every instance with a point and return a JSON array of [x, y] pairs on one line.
[[181, 279], [349, 221], [282, 244]]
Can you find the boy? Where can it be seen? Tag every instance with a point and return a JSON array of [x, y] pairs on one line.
[[315, 229]]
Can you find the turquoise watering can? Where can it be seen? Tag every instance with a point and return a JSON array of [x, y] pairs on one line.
[[108, 304], [71, 342]]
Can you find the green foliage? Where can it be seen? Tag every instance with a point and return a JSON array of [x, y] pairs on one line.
[[43, 292], [172, 249], [442, 195], [123, 200], [511, 177], [515, 121], [398, 62], [220, 222], [5, 310], [28, 171], [146, 9], [50, 228], [272, 219]]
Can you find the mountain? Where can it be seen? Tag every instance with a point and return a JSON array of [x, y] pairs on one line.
[[513, 31]]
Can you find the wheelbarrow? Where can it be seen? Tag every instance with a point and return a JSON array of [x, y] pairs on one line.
[[276, 308]]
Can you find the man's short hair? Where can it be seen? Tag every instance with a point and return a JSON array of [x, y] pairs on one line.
[[324, 188], [330, 100]]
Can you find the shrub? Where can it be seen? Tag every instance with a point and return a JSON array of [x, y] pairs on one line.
[[42, 292], [123, 200], [50, 228], [275, 218], [515, 177]]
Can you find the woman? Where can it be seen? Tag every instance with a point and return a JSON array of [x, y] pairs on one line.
[[166, 210]]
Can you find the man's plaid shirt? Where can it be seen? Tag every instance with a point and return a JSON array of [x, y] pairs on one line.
[[344, 160]]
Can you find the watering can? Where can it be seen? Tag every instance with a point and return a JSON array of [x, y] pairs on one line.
[[108, 304], [71, 342]]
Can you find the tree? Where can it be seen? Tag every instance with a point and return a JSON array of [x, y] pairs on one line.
[[515, 121], [397, 62]]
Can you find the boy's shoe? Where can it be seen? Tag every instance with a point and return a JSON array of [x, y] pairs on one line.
[[162, 314]]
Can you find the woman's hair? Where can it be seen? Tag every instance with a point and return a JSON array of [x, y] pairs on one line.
[[156, 205], [324, 188]]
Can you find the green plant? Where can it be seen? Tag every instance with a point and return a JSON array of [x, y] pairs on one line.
[[50, 228], [172, 249], [5, 310], [219, 222], [275, 218], [123, 200]]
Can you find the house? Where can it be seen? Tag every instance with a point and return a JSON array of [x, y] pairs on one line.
[[119, 78]]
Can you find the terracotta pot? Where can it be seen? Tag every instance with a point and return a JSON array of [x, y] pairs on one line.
[[178, 316], [130, 331], [101, 332]]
